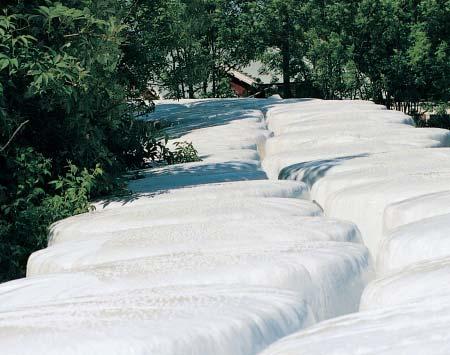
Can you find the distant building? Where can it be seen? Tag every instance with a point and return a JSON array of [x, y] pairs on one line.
[[242, 84], [254, 81]]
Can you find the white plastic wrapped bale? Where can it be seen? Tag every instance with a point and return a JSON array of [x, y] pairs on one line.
[[328, 125], [366, 167], [421, 282], [412, 329], [365, 204], [316, 148], [277, 165], [90, 226], [233, 141], [242, 133], [330, 176], [330, 276], [163, 240], [196, 173], [280, 117], [310, 106], [365, 133], [359, 188], [423, 240], [415, 209], [166, 320], [229, 190], [297, 121], [283, 122], [186, 116]]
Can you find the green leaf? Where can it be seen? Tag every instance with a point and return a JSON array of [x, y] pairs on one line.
[[4, 63]]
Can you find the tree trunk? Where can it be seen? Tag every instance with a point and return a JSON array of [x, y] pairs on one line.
[[214, 67], [214, 83], [183, 90], [286, 53], [174, 77]]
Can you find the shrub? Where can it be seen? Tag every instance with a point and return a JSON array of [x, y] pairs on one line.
[[68, 108], [184, 152], [30, 201], [62, 99]]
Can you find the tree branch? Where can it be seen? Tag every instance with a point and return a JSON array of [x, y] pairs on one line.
[[130, 10], [13, 135]]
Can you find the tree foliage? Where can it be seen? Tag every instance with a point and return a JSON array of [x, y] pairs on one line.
[[391, 51], [204, 40], [71, 78]]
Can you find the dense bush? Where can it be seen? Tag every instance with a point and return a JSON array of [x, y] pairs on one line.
[[30, 201], [68, 107]]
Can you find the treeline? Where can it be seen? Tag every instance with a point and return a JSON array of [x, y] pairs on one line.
[[395, 52]]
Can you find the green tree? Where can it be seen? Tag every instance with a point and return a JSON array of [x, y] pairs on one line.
[[279, 27], [67, 122], [330, 53], [208, 39], [429, 51]]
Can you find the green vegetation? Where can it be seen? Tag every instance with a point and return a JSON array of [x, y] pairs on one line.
[[391, 51], [184, 152], [394, 52], [74, 75], [71, 78]]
